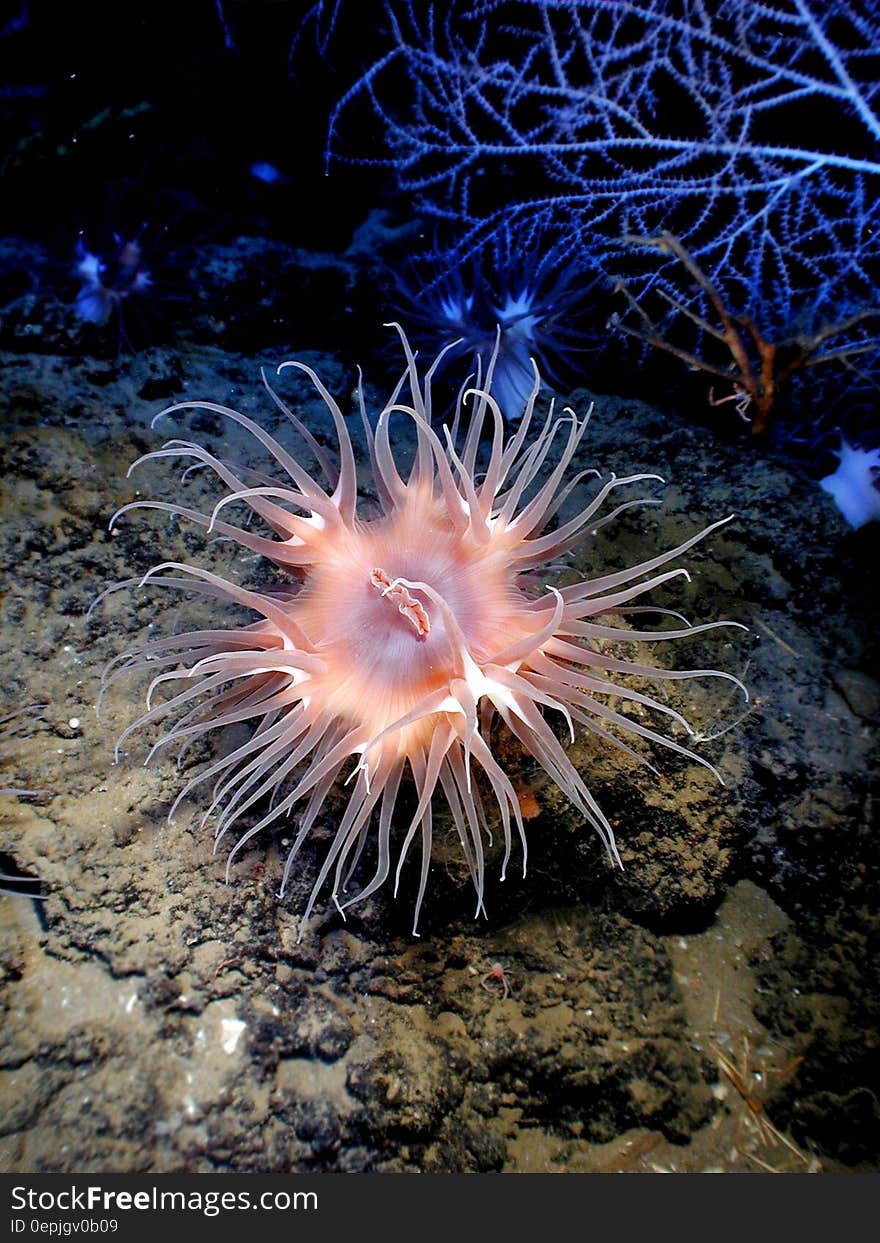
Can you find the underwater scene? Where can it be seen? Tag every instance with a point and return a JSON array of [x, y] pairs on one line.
[[440, 586]]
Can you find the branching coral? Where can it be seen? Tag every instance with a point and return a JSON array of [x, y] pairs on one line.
[[758, 368], [750, 132]]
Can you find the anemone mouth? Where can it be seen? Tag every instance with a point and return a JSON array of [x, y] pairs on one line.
[[400, 639]]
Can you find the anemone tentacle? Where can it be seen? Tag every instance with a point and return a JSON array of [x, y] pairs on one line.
[[398, 639]]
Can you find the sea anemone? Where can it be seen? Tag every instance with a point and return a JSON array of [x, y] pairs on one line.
[[397, 638], [106, 284], [525, 296], [855, 484]]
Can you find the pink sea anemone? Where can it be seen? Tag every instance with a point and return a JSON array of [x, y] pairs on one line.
[[399, 637]]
